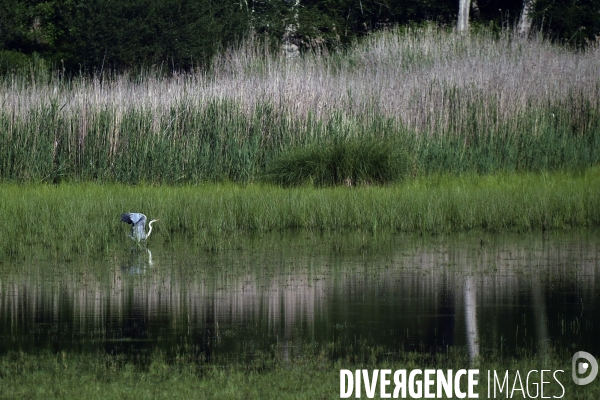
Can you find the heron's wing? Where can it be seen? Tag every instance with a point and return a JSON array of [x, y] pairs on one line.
[[138, 220], [134, 218]]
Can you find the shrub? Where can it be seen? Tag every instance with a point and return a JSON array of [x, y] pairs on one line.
[[13, 61], [341, 161]]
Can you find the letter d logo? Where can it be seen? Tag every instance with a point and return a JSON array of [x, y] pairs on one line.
[[579, 369]]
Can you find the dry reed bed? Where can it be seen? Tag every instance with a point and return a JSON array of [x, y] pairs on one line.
[[423, 77]]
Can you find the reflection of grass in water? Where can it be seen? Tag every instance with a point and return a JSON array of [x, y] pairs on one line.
[[314, 374], [85, 218]]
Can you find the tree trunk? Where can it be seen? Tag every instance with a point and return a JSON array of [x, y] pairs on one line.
[[463, 16], [290, 46], [525, 20], [476, 11]]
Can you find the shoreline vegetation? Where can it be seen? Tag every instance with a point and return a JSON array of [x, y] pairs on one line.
[[418, 129], [311, 375], [83, 218], [481, 103]]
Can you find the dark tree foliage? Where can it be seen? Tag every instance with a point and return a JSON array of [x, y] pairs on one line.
[[341, 21], [13, 24], [94, 35], [576, 22], [502, 13]]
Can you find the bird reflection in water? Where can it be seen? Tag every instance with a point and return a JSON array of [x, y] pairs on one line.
[[139, 261]]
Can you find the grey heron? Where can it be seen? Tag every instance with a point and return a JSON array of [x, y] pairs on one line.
[[138, 230]]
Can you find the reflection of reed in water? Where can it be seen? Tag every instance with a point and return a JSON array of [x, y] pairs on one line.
[[288, 295]]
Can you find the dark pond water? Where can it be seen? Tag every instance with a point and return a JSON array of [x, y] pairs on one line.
[[475, 292]]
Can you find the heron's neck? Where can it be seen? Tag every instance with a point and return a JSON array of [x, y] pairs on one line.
[[150, 229]]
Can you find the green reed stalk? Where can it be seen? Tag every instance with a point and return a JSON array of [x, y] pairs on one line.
[[219, 142]]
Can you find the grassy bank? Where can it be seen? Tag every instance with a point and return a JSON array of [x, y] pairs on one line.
[[481, 103], [84, 218], [310, 376]]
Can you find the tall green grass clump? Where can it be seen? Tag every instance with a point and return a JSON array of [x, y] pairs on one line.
[[352, 161]]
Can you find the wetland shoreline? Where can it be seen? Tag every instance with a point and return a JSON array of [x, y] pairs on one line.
[[83, 218]]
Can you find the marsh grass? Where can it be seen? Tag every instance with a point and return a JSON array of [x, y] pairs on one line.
[[480, 103], [315, 374], [341, 162], [84, 218]]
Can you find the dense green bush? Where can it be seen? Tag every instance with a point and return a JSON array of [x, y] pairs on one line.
[[13, 62], [341, 161]]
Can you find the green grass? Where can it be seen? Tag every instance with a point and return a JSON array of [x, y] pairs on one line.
[[310, 376], [342, 162], [84, 218]]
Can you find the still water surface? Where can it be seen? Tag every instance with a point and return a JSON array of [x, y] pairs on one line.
[[476, 293]]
